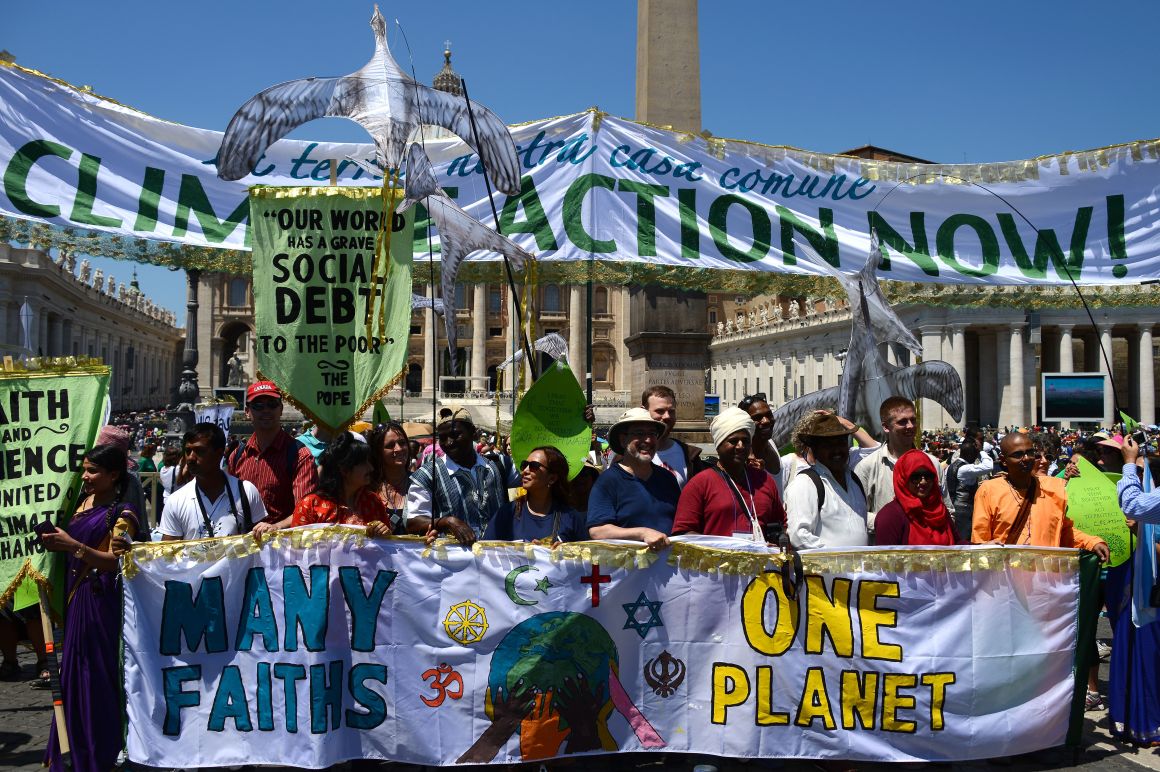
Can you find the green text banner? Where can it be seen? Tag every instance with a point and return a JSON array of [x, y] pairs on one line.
[[48, 421], [596, 186], [332, 306]]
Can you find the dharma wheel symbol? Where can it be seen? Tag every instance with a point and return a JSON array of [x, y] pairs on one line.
[[465, 623]]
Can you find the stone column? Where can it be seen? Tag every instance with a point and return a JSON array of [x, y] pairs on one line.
[[577, 339], [933, 415], [1104, 355], [478, 338], [1146, 377], [959, 361], [430, 345], [1016, 397], [1066, 352]]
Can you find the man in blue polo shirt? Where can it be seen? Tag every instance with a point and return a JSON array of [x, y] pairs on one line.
[[634, 500]]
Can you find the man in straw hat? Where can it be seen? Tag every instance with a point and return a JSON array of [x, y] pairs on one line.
[[635, 499], [825, 502]]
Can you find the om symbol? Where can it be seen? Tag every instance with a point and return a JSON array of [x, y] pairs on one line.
[[442, 677]]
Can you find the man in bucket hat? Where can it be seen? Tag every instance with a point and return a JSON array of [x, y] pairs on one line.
[[635, 499]]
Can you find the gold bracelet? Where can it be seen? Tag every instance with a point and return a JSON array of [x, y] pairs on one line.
[[79, 552]]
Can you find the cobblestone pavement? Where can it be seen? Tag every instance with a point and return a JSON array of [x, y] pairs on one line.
[[25, 714]]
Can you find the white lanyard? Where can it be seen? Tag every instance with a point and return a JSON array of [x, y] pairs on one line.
[[749, 509]]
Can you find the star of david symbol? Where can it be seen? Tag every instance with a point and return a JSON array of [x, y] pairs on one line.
[[654, 615]]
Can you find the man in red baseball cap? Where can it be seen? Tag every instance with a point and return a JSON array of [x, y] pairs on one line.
[[280, 467]]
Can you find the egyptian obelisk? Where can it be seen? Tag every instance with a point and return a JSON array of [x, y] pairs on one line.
[[668, 342]]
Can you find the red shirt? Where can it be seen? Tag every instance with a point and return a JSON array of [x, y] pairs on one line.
[[368, 507], [709, 506], [277, 484]]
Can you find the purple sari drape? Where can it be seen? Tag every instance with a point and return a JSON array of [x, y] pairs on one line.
[[90, 672]]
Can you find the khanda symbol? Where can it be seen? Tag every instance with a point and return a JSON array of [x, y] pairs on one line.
[[664, 674]]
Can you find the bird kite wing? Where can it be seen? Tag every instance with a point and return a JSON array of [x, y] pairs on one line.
[[272, 114], [496, 147], [787, 416]]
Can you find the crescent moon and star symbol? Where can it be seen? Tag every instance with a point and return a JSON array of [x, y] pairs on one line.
[[509, 585]]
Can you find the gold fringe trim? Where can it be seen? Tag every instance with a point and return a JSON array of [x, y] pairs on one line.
[[52, 367], [309, 413], [27, 571], [212, 550], [681, 555], [320, 191]]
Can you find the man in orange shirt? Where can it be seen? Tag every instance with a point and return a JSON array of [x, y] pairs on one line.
[[998, 503]]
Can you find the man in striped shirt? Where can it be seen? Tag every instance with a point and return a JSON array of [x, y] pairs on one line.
[[281, 468]]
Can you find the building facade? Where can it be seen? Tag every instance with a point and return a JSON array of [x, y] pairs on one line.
[[788, 347], [73, 310]]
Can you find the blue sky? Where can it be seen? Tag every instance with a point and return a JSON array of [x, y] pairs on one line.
[[950, 82]]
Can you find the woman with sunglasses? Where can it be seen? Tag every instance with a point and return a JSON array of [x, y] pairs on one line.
[[917, 516], [543, 513]]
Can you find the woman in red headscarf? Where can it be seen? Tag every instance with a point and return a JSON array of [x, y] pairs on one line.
[[917, 516]]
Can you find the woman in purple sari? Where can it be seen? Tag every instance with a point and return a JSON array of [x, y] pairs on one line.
[[89, 667]]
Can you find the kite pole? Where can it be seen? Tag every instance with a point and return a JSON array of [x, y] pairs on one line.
[[495, 217]]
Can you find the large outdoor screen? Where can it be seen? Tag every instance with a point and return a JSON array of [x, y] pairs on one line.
[[1073, 396]]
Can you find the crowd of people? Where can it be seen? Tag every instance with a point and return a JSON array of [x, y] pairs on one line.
[[836, 487]]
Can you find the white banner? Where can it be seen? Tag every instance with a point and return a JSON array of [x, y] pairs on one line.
[[322, 646], [219, 414], [606, 188]]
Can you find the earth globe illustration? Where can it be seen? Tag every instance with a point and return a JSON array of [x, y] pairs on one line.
[[548, 648]]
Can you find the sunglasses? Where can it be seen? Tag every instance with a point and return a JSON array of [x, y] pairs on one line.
[[640, 434], [922, 474], [535, 466], [264, 404], [758, 397]]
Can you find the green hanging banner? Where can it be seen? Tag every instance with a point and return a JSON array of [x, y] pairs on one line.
[[332, 309], [552, 413], [49, 419]]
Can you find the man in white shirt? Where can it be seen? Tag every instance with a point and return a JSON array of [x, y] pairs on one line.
[[824, 503], [213, 503], [876, 471], [672, 454]]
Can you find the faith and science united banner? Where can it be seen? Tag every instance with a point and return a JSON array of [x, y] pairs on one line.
[[600, 187], [320, 646], [49, 419]]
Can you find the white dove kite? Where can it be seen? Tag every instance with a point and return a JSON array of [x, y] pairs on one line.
[[381, 98]]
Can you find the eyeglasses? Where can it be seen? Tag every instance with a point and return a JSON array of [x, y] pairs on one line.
[[922, 474], [535, 466], [1019, 455], [758, 397]]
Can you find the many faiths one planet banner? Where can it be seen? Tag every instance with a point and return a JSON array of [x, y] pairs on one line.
[[596, 186], [321, 645]]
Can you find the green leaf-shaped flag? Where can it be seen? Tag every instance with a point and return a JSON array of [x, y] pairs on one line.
[[552, 413], [1094, 508]]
